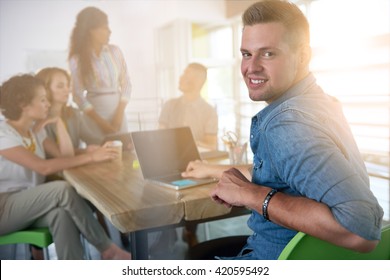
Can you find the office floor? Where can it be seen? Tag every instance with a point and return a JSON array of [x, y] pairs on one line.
[[177, 250]]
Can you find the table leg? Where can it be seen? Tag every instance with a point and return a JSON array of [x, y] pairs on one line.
[[139, 245]]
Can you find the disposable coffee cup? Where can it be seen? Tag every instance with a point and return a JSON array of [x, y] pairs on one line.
[[117, 145]]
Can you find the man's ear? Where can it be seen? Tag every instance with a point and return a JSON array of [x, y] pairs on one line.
[[305, 54]]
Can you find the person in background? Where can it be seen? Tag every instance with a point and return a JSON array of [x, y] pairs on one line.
[[307, 173], [101, 84], [25, 199], [190, 109], [57, 85]]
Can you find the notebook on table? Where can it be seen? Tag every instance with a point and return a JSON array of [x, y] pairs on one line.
[[164, 154]]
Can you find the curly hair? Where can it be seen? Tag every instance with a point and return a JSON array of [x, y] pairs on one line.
[[17, 92]]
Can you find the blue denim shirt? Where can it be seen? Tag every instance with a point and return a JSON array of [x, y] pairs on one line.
[[303, 146]]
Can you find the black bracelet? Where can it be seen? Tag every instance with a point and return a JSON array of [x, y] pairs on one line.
[[266, 201]]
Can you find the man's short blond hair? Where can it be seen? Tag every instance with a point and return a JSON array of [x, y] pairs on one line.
[[284, 12]]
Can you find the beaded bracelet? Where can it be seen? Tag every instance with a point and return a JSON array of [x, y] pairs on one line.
[[266, 201]]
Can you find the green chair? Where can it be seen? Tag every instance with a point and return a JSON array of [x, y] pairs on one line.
[[40, 237], [306, 247]]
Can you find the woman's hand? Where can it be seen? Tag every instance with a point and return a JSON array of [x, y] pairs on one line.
[[117, 120], [104, 125], [41, 124], [91, 148], [104, 153]]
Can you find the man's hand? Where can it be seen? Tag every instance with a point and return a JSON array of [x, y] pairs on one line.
[[231, 188], [196, 169]]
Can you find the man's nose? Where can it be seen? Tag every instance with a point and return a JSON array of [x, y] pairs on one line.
[[255, 65]]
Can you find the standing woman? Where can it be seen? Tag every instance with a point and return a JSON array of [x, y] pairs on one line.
[[101, 84], [25, 199]]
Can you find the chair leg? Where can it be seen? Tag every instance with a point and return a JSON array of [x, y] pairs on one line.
[[14, 249], [27, 251], [46, 255]]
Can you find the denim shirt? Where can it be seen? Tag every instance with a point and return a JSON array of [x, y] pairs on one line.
[[303, 146]]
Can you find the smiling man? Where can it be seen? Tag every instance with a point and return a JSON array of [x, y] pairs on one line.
[[307, 173]]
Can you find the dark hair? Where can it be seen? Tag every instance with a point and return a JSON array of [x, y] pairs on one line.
[[80, 39], [17, 92], [284, 12]]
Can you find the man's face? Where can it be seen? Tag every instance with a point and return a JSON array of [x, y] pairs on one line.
[[269, 66], [188, 81]]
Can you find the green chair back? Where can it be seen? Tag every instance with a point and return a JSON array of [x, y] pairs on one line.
[[40, 237], [306, 247]]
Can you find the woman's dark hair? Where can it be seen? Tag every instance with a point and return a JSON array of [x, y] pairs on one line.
[[80, 39], [17, 92]]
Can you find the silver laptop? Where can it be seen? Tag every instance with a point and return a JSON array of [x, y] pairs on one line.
[[164, 154]]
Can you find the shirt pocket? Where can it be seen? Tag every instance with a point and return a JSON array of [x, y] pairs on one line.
[[257, 168]]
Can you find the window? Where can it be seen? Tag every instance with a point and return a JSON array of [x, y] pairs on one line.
[[213, 46], [351, 61]]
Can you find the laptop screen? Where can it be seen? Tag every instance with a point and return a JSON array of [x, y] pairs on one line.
[[164, 152]]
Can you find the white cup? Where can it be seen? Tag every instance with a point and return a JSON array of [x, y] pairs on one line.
[[117, 144]]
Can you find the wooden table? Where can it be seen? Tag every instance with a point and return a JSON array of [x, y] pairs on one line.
[[135, 205]]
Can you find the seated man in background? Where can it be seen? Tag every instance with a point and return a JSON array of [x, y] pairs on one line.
[[190, 109]]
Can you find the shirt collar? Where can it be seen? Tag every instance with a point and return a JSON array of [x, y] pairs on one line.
[[298, 89]]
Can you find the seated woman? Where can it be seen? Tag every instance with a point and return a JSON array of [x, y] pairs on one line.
[[57, 84], [25, 200]]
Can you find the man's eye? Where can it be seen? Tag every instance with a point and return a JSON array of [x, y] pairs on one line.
[[245, 55], [268, 54]]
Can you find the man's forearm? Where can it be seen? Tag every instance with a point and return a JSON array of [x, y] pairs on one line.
[[311, 217]]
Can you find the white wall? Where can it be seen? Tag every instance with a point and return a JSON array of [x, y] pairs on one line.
[[43, 27]]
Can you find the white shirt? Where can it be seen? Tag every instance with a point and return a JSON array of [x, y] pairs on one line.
[[15, 177]]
